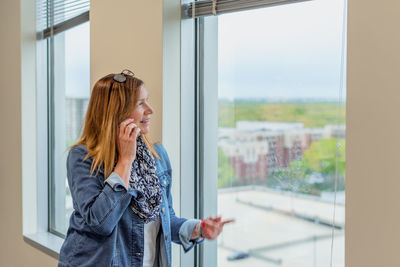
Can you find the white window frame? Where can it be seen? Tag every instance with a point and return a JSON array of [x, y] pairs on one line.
[[34, 134], [193, 159], [187, 130], [208, 161], [34, 174]]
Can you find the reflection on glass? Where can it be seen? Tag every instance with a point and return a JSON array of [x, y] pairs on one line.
[[281, 135], [71, 96]]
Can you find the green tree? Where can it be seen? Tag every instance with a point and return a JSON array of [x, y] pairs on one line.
[[226, 175], [322, 155]]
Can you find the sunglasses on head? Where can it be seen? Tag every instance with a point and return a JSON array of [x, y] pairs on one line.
[[120, 77]]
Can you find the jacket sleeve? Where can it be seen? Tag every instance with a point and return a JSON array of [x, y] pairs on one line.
[[100, 205], [181, 228]]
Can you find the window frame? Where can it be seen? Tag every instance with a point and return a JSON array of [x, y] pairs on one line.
[[194, 95], [207, 159], [35, 184], [205, 25], [187, 131], [36, 127]]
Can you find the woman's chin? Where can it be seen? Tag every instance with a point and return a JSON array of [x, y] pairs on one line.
[[144, 130]]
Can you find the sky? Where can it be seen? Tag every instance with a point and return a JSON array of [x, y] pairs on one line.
[[282, 52], [77, 61]]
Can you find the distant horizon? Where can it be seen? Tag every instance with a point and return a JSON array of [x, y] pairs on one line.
[[283, 100]]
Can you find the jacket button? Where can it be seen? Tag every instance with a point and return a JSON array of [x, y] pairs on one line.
[[166, 237], [163, 210], [165, 182], [138, 254]]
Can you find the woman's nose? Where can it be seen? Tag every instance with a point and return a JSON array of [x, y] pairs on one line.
[[149, 110]]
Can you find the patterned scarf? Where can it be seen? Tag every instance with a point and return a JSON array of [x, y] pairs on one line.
[[144, 179]]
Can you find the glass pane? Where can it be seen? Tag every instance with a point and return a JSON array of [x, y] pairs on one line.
[[281, 135], [70, 99]]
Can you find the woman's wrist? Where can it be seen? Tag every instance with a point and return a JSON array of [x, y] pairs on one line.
[[123, 169], [196, 231], [125, 161]]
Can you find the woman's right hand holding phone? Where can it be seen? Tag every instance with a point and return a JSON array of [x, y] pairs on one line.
[[126, 145]]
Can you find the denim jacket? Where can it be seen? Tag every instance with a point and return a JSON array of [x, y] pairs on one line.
[[103, 229]]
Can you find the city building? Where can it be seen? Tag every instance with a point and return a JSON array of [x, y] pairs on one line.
[[257, 148]]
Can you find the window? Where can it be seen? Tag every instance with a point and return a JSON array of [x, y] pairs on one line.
[[275, 151], [70, 99], [62, 96]]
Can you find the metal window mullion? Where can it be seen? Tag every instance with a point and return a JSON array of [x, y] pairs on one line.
[[50, 83], [52, 182], [187, 140], [201, 127], [197, 134], [208, 124], [50, 133]]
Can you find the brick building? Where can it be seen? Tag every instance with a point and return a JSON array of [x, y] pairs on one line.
[[256, 149]]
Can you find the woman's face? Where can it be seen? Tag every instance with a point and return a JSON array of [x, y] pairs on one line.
[[142, 111]]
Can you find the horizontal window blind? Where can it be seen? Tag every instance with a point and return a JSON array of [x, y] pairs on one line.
[[210, 7], [55, 16]]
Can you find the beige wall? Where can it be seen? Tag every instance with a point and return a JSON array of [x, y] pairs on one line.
[[115, 44], [373, 134], [128, 34], [13, 250], [373, 105]]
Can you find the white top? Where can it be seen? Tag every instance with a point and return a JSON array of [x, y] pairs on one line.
[[150, 241]]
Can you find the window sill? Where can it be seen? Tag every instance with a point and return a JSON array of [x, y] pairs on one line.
[[45, 242]]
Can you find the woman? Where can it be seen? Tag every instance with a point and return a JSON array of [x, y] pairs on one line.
[[121, 186]]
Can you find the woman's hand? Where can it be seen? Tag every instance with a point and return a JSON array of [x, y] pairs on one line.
[[211, 227], [126, 145], [127, 134]]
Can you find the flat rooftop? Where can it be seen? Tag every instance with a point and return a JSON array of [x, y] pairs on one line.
[[279, 229]]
